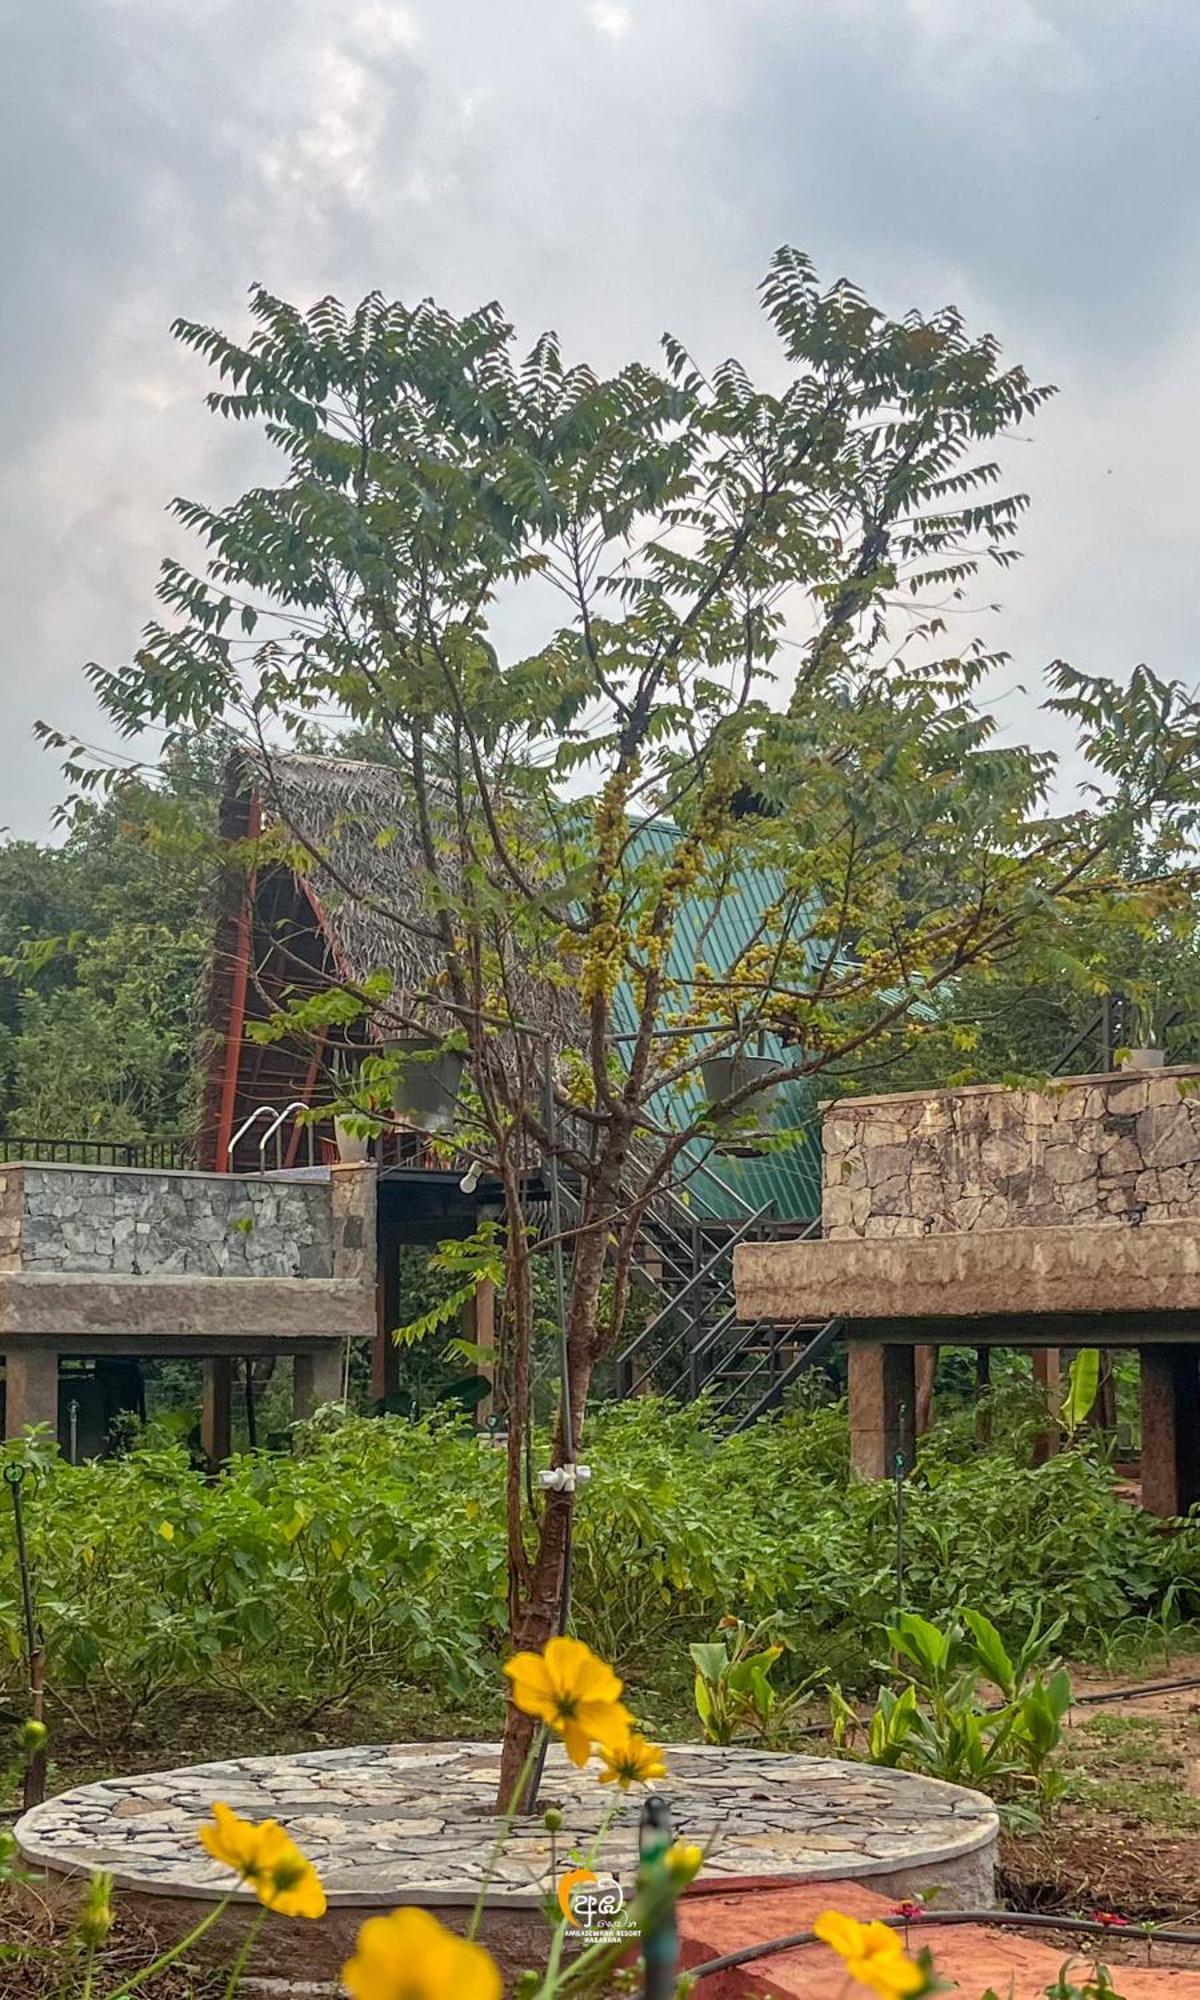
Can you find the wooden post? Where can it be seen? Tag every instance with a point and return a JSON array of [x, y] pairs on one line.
[[385, 1355], [479, 1326], [31, 1389], [983, 1383], [1170, 1385], [216, 1416], [925, 1367], [1047, 1372], [882, 1406]]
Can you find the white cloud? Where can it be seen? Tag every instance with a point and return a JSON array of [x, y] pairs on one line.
[[611, 19]]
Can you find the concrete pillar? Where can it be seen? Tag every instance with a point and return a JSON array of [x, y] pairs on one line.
[[1170, 1380], [31, 1389], [882, 1406], [316, 1379], [216, 1415]]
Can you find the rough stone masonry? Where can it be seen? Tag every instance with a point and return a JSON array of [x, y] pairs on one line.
[[1115, 1149]]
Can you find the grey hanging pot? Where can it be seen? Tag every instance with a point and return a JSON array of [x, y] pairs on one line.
[[426, 1088], [725, 1075]]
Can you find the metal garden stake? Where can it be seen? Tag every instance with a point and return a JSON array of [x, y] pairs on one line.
[[35, 1770], [899, 1470], [660, 1945]]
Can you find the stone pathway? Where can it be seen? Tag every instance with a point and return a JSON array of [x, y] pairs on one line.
[[413, 1822]]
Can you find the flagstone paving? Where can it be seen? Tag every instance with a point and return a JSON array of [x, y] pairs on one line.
[[413, 1822]]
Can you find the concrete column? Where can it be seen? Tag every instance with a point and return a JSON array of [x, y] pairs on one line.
[[882, 1406], [316, 1379], [1170, 1380], [216, 1415], [31, 1389]]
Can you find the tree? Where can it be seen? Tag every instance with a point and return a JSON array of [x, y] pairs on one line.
[[101, 946], [689, 541]]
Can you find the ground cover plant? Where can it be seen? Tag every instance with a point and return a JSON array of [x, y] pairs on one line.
[[368, 1559]]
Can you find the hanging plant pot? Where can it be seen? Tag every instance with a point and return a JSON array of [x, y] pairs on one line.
[[351, 1148], [724, 1076], [1146, 1059], [426, 1089]]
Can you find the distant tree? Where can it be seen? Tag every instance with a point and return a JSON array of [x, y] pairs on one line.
[[102, 940], [743, 597]]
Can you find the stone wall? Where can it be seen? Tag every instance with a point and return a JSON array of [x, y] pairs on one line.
[[126, 1222], [1115, 1149]]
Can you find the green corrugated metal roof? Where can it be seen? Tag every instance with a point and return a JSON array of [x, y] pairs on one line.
[[718, 932]]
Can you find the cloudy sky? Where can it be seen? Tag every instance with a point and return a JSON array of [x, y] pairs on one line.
[[610, 167]]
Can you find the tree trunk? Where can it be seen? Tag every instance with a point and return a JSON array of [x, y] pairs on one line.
[[537, 1607]]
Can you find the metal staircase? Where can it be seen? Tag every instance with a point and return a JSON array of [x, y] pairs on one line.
[[693, 1343]]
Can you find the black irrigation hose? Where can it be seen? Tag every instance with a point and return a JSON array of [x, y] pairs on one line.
[[1012, 1920], [1132, 1693]]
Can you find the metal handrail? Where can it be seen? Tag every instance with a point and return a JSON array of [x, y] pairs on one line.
[[275, 1127], [697, 1279], [815, 1348], [259, 1111]]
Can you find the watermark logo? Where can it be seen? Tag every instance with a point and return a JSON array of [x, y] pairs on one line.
[[594, 1906]]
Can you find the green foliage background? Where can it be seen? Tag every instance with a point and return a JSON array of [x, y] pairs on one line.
[[370, 1558], [102, 944]]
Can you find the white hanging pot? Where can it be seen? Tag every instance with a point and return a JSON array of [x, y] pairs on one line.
[[1146, 1059], [352, 1150], [426, 1088]]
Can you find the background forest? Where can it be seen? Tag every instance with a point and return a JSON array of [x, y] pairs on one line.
[[104, 935]]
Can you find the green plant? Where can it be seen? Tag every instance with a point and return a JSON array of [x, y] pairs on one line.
[[938, 1723], [733, 1691], [1083, 1387]]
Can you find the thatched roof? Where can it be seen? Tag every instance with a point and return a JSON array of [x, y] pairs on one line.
[[362, 865]]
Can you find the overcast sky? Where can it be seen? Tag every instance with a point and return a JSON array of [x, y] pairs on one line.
[[612, 168]]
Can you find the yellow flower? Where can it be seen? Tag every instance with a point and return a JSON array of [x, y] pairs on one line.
[[96, 1917], [167, 1530], [566, 1686], [268, 1858], [409, 1956], [684, 1859], [632, 1761], [872, 1954]]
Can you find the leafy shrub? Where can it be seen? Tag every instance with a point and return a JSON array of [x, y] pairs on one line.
[[372, 1555]]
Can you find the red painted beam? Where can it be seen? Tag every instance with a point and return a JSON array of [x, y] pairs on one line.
[[237, 1003]]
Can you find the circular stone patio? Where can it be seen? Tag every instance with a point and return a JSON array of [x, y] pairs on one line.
[[412, 1823]]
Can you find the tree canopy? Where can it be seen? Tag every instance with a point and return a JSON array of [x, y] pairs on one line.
[[744, 599]]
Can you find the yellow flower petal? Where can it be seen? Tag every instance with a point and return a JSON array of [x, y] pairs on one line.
[[845, 1935], [266, 1857], [630, 1760], [410, 1956], [575, 1693]]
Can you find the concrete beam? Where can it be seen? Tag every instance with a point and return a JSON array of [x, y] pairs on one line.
[[77, 1310], [1170, 1386], [1025, 1274], [30, 1389], [882, 1408]]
